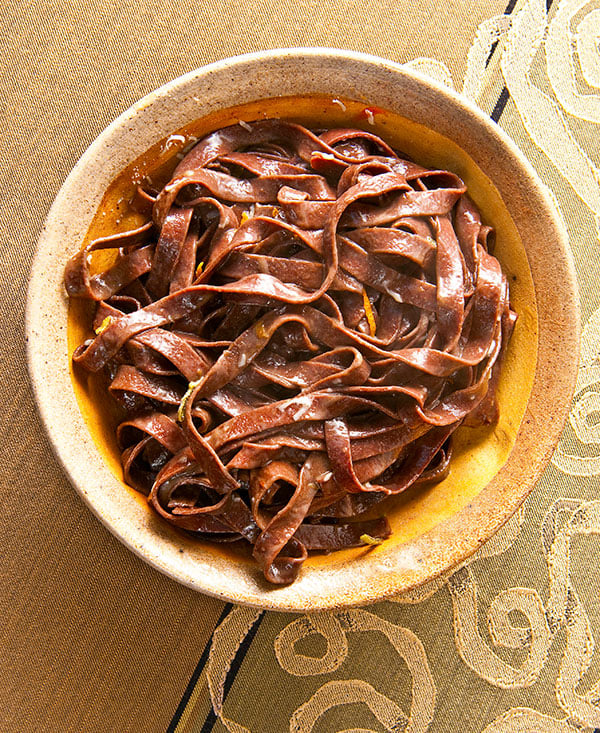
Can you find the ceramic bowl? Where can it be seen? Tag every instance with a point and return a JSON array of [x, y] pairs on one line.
[[434, 528]]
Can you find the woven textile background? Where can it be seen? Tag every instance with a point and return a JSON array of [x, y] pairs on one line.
[[91, 638]]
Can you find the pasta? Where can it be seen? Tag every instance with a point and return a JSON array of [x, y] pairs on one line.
[[293, 335]]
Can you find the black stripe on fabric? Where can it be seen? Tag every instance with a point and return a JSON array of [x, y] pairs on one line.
[[504, 94], [500, 104], [211, 718], [196, 673]]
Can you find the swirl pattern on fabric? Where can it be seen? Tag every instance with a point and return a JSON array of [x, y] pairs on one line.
[[294, 335]]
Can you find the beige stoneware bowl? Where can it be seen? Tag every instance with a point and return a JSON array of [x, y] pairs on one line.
[[434, 528]]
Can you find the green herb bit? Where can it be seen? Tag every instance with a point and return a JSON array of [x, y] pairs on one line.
[[366, 539], [104, 325], [191, 387]]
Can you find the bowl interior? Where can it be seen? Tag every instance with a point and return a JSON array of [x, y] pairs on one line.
[[433, 526], [479, 453]]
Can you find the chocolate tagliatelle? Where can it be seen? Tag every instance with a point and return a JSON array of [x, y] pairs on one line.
[[294, 335]]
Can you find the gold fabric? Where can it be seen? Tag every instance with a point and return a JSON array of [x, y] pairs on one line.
[[91, 638]]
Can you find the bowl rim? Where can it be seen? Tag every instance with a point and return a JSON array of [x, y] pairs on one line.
[[443, 552]]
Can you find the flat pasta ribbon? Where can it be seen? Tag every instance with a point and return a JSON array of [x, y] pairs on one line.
[[293, 335]]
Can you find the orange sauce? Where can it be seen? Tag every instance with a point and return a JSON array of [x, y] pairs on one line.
[[478, 453]]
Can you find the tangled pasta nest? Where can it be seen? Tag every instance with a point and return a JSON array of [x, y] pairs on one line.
[[294, 334]]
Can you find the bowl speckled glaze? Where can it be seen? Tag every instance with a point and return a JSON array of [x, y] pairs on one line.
[[434, 529]]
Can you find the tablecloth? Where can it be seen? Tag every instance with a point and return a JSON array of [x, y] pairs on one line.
[[93, 639]]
